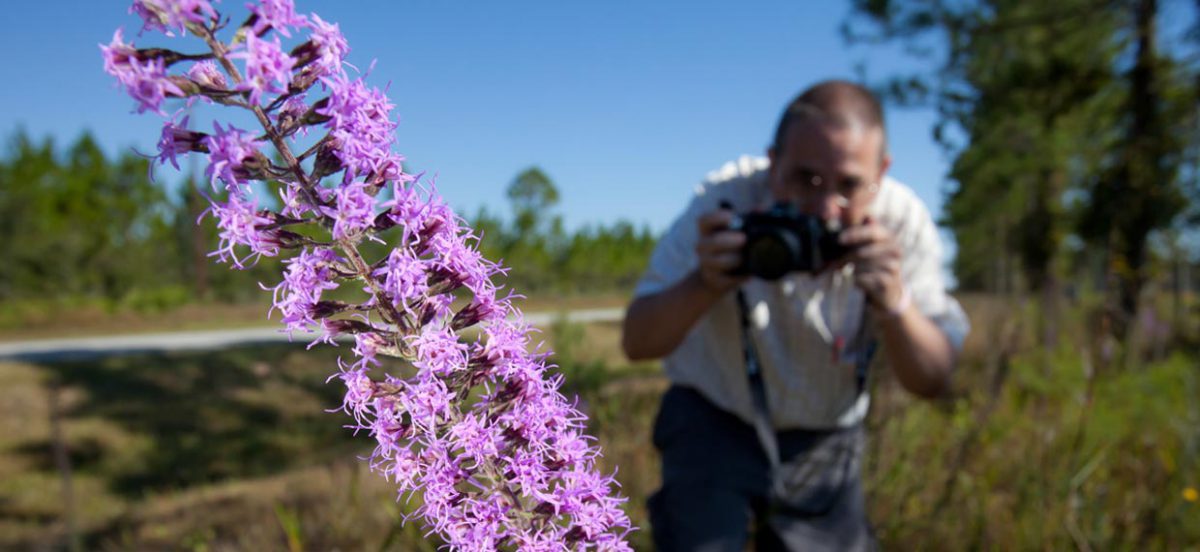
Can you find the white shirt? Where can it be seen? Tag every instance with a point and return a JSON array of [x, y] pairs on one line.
[[797, 321]]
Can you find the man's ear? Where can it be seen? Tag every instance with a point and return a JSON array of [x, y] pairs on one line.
[[884, 165]]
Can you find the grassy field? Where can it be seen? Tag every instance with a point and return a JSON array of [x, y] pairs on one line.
[[1040, 448]]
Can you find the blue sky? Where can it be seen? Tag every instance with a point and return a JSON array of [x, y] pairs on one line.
[[625, 104]]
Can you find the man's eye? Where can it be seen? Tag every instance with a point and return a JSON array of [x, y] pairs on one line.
[[809, 179]]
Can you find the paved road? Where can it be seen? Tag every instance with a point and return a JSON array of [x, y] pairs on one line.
[[83, 348]]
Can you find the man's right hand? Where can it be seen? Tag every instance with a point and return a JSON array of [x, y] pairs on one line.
[[719, 251]]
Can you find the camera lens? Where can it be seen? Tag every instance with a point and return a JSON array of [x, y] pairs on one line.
[[771, 254]]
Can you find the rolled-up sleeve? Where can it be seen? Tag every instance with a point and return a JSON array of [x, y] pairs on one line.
[[675, 254], [922, 272]]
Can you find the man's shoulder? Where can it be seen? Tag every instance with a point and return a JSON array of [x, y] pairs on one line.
[[897, 204], [900, 209], [739, 181], [742, 168]]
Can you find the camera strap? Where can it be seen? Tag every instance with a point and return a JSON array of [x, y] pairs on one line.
[[758, 392]]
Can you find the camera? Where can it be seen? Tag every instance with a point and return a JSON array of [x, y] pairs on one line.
[[783, 240]]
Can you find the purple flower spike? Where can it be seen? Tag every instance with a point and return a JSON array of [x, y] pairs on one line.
[[473, 422]]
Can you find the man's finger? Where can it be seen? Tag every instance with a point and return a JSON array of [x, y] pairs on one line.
[[721, 242], [864, 234], [712, 222], [723, 262], [874, 252]]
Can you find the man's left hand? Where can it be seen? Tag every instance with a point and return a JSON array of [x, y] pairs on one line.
[[877, 260]]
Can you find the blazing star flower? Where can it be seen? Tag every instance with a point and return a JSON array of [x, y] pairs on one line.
[[359, 122], [228, 150], [354, 211], [360, 391], [309, 274], [169, 16], [145, 81], [403, 276], [289, 118], [117, 55], [429, 402], [293, 204], [439, 352], [331, 46], [176, 140], [268, 68], [276, 14], [239, 222]]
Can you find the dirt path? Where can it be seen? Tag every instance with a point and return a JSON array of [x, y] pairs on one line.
[[78, 348]]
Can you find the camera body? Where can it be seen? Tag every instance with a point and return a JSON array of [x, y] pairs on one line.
[[783, 240]]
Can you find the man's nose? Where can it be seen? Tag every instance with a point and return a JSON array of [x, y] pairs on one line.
[[828, 206]]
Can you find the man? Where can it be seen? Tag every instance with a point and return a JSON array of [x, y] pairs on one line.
[[761, 430]]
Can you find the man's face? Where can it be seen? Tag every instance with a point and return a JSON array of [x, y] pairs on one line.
[[829, 170]]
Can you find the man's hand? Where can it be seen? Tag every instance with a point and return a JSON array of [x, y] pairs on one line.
[[917, 350], [656, 324], [719, 251], [877, 260]]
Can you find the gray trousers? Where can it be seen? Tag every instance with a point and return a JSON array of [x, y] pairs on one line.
[[718, 491]]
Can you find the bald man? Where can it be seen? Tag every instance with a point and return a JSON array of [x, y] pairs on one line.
[[761, 430]]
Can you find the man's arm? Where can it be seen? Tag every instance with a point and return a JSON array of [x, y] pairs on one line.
[[917, 349], [656, 324]]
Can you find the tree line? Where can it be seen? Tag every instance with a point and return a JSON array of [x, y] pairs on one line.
[[1074, 136], [76, 224]]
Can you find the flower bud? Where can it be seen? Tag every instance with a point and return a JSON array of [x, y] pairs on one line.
[[313, 116], [384, 221], [176, 140], [347, 325], [305, 53], [169, 57], [303, 81], [254, 167], [325, 309], [327, 161], [206, 74], [185, 85], [287, 239]]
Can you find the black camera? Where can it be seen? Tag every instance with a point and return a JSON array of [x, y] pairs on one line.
[[784, 240]]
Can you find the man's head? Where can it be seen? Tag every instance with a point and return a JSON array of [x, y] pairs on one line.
[[830, 152]]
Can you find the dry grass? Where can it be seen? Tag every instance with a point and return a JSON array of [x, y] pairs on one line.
[[233, 450]]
